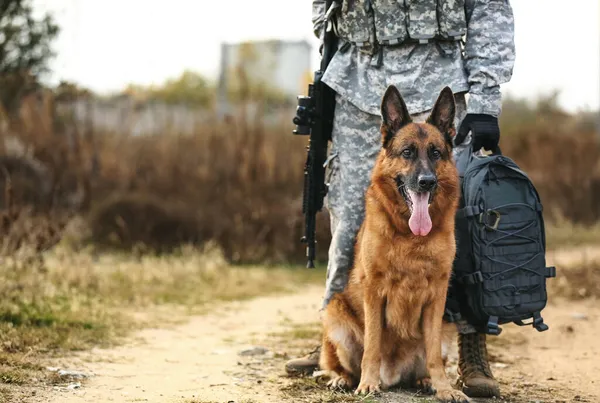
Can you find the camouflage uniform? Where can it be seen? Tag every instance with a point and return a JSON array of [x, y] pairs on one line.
[[361, 71]]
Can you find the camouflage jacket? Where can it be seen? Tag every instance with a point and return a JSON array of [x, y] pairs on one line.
[[477, 65]]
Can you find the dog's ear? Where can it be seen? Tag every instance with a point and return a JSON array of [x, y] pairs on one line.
[[442, 114], [394, 114]]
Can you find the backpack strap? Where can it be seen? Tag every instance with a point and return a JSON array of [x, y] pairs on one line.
[[538, 322], [452, 310], [550, 272], [470, 279], [492, 326]]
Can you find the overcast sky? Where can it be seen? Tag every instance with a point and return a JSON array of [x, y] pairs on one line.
[[104, 45]]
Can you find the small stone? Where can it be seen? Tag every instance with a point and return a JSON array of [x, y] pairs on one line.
[[218, 352], [74, 374], [73, 386], [254, 351], [579, 316]]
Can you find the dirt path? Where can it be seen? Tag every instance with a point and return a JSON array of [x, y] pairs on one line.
[[200, 360], [196, 360]]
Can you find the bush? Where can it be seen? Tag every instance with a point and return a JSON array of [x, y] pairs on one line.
[[239, 183]]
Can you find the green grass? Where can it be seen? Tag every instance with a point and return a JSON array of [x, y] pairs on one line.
[[311, 331], [14, 376], [74, 301]]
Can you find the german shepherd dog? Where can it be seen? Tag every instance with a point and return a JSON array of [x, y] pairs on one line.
[[386, 328]]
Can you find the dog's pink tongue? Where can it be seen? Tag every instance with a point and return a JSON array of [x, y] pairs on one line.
[[420, 221]]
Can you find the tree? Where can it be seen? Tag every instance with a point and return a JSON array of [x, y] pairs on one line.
[[25, 50], [190, 88]]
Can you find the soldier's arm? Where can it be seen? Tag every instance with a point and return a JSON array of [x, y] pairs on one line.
[[318, 16], [489, 53]]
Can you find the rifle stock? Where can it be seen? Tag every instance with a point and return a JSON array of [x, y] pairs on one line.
[[314, 117]]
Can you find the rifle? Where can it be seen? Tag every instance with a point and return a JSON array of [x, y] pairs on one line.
[[314, 117]]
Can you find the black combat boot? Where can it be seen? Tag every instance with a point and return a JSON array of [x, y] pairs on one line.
[[475, 375]]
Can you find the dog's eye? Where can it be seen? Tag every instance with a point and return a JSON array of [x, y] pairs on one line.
[[407, 153], [435, 154]]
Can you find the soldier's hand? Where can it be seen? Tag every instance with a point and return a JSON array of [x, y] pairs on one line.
[[484, 128]]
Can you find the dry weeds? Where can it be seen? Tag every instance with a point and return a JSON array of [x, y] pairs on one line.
[[562, 233], [577, 281], [238, 182], [66, 302]]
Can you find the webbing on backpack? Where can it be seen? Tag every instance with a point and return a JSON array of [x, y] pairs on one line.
[[501, 244]]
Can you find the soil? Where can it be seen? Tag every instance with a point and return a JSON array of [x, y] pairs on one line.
[[236, 353]]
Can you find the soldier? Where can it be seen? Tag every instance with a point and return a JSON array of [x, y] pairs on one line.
[[420, 46]]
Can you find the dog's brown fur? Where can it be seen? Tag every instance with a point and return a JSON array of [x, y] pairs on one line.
[[386, 327]]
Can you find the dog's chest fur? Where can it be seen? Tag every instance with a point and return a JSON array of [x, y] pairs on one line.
[[408, 289]]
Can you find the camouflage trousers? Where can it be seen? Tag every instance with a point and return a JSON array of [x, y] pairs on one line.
[[356, 142]]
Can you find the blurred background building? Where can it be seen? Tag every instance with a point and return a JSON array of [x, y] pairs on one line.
[[276, 65]]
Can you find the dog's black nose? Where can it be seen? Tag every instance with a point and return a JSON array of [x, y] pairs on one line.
[[426, 182]]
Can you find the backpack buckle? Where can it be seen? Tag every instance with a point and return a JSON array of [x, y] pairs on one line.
[[490, 218], [492, 326], [538, 322], [551, 271], [452, 317], [473, 278]]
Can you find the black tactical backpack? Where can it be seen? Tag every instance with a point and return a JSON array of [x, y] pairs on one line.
[[500, 271]]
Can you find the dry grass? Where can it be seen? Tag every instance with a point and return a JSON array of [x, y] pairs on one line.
[[236, 184], [564, 165], [212, 401], [580, 280], [309, 390], [6, 395], [300, 332], [562, 233], [66, 302], [239, 182]]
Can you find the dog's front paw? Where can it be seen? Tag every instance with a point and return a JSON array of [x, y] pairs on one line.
[[451, 396], [424, 385], [343, 382], [368, 385]]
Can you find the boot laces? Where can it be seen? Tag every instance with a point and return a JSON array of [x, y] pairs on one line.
[[314, 354], [475, 355]]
